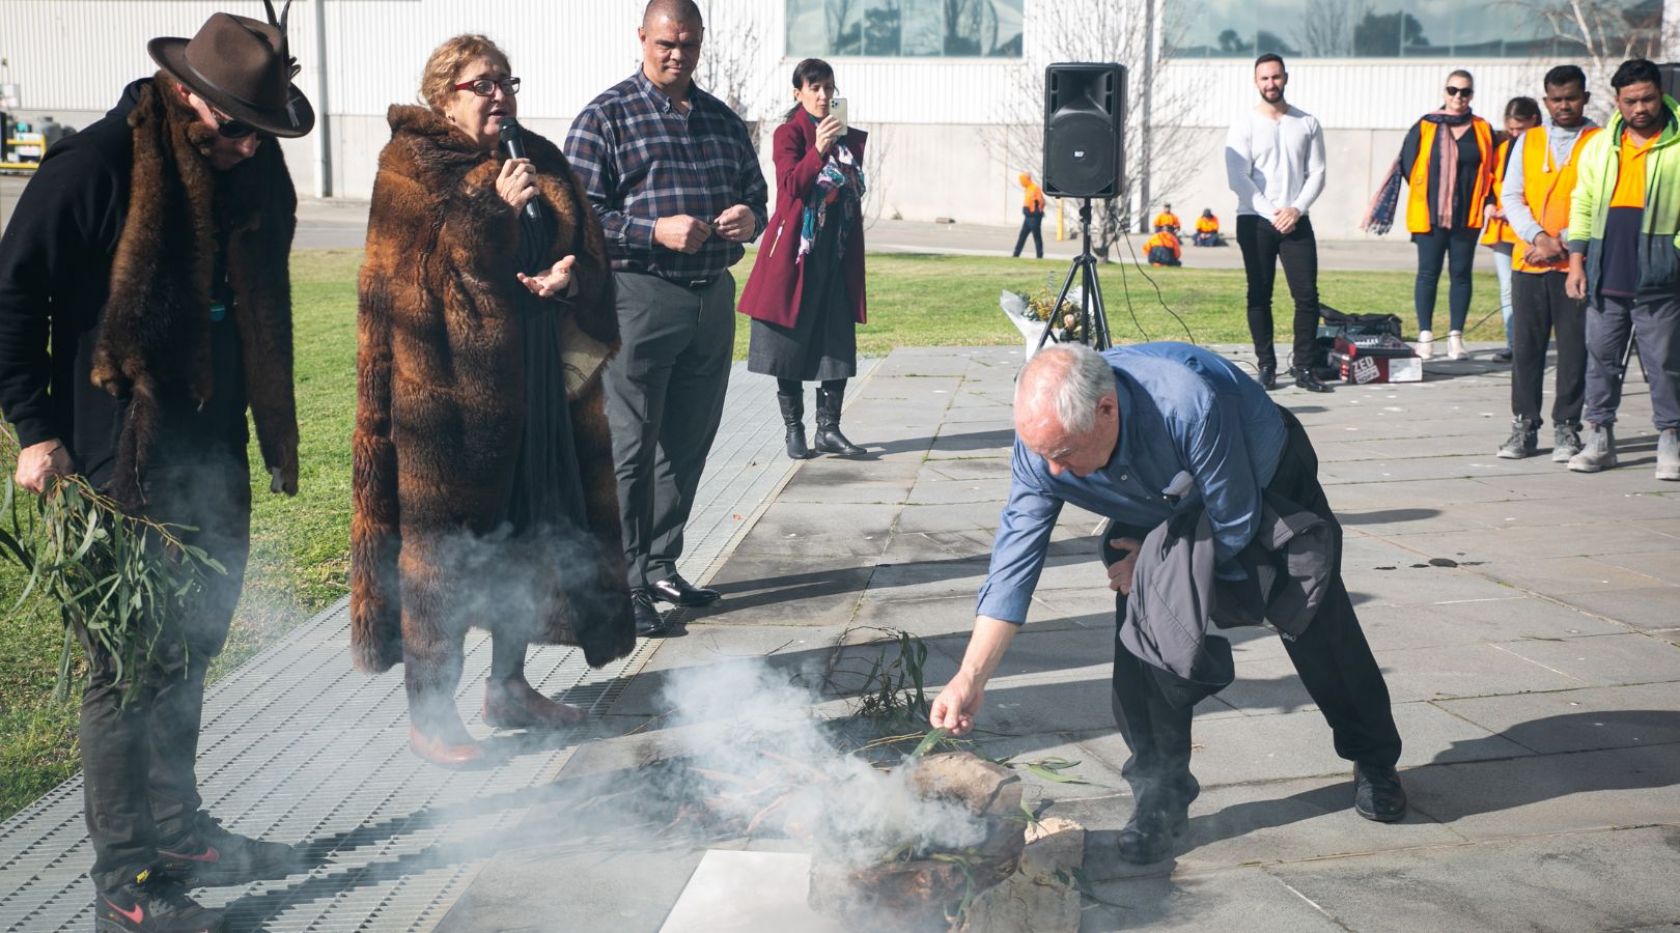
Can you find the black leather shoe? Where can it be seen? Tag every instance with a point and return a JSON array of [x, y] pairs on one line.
[[210, 855], [1502, 356], [1377, 794], [1268, 376], [679, 592], [649, 624], [1151, 834], [1304, 379]]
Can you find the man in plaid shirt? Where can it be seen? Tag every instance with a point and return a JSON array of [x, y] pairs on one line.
[[675, 179]]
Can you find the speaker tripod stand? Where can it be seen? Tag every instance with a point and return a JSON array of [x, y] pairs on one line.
[[1093, 319]]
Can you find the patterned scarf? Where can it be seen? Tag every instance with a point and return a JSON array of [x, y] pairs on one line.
[[1387, 199], [840, 183]]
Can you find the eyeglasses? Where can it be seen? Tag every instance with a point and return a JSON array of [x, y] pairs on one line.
[[231, 128], [484, 87], [1463, 92]]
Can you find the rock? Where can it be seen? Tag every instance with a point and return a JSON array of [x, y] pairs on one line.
[[1041, 896]]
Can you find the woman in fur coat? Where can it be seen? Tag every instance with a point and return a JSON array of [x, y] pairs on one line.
[[483, 479]]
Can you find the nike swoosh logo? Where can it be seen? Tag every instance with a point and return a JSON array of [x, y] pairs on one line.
[[137, 916], [208, 855]]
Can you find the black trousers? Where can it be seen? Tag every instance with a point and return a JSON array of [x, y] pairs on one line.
[[1457, 249], [1331, 657], [1262, 247], [1031, 225], [140, 786], [1539, 307], [665, 392]]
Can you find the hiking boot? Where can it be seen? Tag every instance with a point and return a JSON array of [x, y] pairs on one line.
[[1566, 442], [210, 855], [1523, 442], [153, 903], [1668, 454], [1598, 449]]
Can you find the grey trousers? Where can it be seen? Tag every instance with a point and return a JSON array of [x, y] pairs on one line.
[[664, 393], [1653, 323]]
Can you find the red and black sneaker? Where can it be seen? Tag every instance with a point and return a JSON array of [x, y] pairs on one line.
[[210, 855], [152, 903]]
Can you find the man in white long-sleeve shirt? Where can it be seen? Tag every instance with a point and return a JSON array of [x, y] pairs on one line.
[[1274, 160]]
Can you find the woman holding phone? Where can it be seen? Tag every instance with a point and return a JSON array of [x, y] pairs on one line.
[[805, 294]]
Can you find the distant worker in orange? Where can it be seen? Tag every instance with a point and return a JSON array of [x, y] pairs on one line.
[[1032, 215], [1207, 230], [1167, 220], [1163, 249]]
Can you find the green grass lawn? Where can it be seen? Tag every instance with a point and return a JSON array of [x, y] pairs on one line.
[[299, 563]]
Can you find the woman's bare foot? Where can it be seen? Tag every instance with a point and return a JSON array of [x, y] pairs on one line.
[[515, 704], [447, 746]]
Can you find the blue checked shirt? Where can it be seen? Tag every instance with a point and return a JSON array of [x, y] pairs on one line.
[[1193, 430], [641, 159]]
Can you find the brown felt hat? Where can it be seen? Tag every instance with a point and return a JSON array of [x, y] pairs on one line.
[[243, 68]]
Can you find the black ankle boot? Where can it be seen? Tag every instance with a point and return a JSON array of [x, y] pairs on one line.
[[793, 418], [829, 440]]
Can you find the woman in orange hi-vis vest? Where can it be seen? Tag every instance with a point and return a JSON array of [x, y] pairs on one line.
[[1521, 113], [1447, 161]]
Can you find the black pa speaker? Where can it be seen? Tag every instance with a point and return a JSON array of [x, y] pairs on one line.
[[1084, 127]]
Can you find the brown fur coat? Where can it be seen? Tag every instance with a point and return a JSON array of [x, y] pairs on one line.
[[154, 339], [440, 412]]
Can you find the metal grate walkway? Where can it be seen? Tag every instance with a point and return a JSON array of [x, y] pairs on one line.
[[297, 747]]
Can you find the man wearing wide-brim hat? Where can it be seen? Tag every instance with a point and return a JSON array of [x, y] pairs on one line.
[[145, 305]]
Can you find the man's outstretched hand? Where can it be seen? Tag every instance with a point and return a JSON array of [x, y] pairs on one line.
[[955, 707]]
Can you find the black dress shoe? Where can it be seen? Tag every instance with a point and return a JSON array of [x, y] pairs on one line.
[[1377, 794], [1304, 379], [1268, 376], [1502, 356], [649, 624], [1150, 835], [679, 592]]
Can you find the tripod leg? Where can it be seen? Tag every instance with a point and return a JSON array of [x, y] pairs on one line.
[[1054, 317]]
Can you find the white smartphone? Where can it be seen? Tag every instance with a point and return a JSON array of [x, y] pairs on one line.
[[837, 109]]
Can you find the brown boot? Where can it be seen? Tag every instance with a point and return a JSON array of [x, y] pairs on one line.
[[515, 704]]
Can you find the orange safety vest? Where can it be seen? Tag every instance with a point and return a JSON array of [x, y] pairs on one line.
[[1165, 219], [1497, 230], [1207, 225], [1420, 214], [1548, 189]]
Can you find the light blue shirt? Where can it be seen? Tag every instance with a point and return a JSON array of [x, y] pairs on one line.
[[1183, 410]]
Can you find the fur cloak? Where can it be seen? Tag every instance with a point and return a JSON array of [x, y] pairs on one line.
[[441, 406], [154, 340]]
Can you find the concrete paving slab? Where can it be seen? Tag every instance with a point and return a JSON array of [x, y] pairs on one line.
[[733, 890], [1468, 622], [1562, 793], [1465, 671], [1604, 659], [1578, 720], [1561, 576], [1653, 607], [1555, 883], [1240, 899]]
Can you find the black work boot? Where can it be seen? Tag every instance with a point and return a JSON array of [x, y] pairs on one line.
[[153, 903], [210, 855], [1158, 821], [793, 418], [829, 440]]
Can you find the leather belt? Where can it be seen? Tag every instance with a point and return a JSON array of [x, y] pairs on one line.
[[693, 285]]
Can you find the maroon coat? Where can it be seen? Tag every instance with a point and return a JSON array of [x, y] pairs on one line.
[[774, 287]]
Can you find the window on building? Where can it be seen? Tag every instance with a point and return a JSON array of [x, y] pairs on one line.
[[1407, 28], [904, 28]]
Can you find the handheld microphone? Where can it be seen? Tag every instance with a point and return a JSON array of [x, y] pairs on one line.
[[513, 143]]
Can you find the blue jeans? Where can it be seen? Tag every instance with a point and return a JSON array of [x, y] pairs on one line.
[[1455, 249], [1502, 271]]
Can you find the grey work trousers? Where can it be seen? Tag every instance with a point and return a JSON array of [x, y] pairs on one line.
[[1653, 323], [664, 393]]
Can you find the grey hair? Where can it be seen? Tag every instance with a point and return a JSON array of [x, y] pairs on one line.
[[1080, 379]]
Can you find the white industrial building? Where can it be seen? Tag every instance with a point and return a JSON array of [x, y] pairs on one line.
[[939, 83]]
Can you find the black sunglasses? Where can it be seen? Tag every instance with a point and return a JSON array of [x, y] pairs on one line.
[[230, 128], [1459, 91]]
